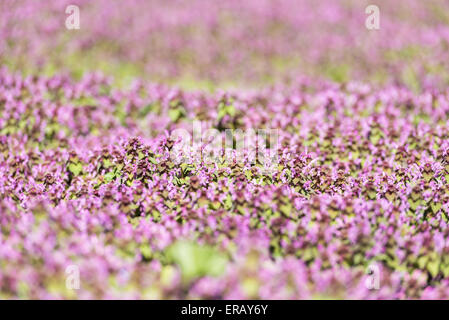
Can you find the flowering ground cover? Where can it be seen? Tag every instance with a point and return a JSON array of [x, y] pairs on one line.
[[355, 206]]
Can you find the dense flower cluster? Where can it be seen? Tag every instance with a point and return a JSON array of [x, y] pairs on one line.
[[86, 179]]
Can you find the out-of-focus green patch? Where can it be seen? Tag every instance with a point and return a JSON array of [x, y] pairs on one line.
[[195, 260], [226, 109], [189, 83], [337, 72], [251, 286], [410, 79], [84, 101], [57, 286], [406, 53], [146, 251], [441, 16]]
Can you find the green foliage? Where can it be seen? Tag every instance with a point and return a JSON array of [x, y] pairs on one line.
[[75, 168], [196, 260]]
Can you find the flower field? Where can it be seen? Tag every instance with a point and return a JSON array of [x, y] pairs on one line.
[[355, 206]]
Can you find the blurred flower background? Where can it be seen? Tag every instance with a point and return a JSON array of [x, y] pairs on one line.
[[205, 43]]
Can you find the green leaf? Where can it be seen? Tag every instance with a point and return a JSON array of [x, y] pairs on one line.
[[175, 114], [433, 267], [422, 261], [436, 206], [107, 163], [224, 110], [75, 168], [152, 160], [146, 251], [145, 110], [446, 271], [374, 138], [109, 176], [286, 209], [230, 109]]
